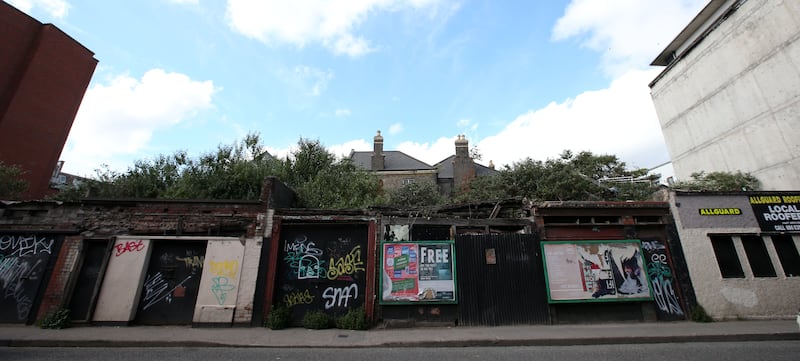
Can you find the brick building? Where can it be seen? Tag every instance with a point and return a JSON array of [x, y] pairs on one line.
[[43, 76], [396, 169]]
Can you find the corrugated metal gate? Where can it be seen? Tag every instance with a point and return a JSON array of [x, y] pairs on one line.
[[500, 280]]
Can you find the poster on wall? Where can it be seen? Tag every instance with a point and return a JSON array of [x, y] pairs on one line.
[[595, 271], [418, 272], [777, 213]]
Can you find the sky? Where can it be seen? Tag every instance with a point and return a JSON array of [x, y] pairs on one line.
[[520, 79]]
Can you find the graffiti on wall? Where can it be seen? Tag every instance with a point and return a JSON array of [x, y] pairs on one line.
[[221, 284], [124, 247], [23, 259], [322, 268], [172, 282], [661, 278]]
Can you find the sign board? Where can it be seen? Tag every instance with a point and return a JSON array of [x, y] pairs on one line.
[[418, 272], [595, 271], [777, 213]]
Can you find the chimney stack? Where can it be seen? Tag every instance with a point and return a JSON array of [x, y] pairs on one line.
[[463, 167], [377, 152]]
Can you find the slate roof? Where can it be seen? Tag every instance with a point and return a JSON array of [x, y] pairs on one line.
[[445, 168], [393, 161]]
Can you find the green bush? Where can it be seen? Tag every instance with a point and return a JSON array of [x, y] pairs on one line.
[[354, 319], [699, 314], [279, 317], [56, 319], [317, 320]]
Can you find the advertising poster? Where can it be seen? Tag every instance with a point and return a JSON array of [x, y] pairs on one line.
[[595, 271], [417, 272], [777, 213], [400, 272]]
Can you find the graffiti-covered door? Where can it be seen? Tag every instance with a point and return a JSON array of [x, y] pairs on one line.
[[26, 262], [662, 278], [322, 267], [170, 288]]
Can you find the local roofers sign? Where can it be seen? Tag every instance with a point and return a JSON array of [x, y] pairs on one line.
[[777, 213]]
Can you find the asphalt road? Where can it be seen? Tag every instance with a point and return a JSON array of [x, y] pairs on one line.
[[763, 350]]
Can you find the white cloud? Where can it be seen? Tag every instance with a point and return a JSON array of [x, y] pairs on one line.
[[120, 117], [343, 112], [395, 128], [331, 23], [629, 33], [343, 150], [54, 8], [618, 120], [308, 79]]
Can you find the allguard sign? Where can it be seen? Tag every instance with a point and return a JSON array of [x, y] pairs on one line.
[[777, 213], [720, 211]]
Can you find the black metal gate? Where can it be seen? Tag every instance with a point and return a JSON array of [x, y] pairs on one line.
[[172, 283], [500, 280], [87, 286], [26, 263]]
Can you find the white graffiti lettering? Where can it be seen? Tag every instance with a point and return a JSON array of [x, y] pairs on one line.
[[14, 273], [339, 297], [26, 245], [155, 288]]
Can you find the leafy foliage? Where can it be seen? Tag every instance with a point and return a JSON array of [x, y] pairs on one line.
[[279, 317], [699, 314], [55, 320], [317, 320], [354, 319], [720, 181], [11, 183], [419, 194], [576, 177], [237, 171]]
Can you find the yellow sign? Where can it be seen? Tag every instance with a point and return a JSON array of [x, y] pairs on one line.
[[720, 211]]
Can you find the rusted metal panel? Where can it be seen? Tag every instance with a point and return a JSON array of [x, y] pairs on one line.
[[501, 280]]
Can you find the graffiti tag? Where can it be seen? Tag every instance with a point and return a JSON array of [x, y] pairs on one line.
[[347, 265], [220, 286], [298, 298], [224, 268], [26, 245], [14, 272], [129, 246], [157, 289], [339, 297]]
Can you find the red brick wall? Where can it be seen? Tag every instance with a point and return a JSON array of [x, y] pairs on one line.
[[44, 75]]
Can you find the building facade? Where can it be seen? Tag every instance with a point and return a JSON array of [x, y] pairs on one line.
[[396, 169], [728, 99], [43, 76], [741, 250]]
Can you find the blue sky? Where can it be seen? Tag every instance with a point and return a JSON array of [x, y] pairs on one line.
[[518, 78]]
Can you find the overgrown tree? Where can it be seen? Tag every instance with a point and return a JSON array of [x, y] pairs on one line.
[[237, 171], [12, 185], [416, 194], [577, 177], [719, 181]]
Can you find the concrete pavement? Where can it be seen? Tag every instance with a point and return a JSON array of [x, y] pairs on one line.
[[461, 336]]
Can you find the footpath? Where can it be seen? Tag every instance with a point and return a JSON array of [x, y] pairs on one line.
[[461, 336]]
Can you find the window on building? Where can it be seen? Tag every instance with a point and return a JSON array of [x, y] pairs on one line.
[[727, 259], [757, 256], [787, 254], [407, 181]]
